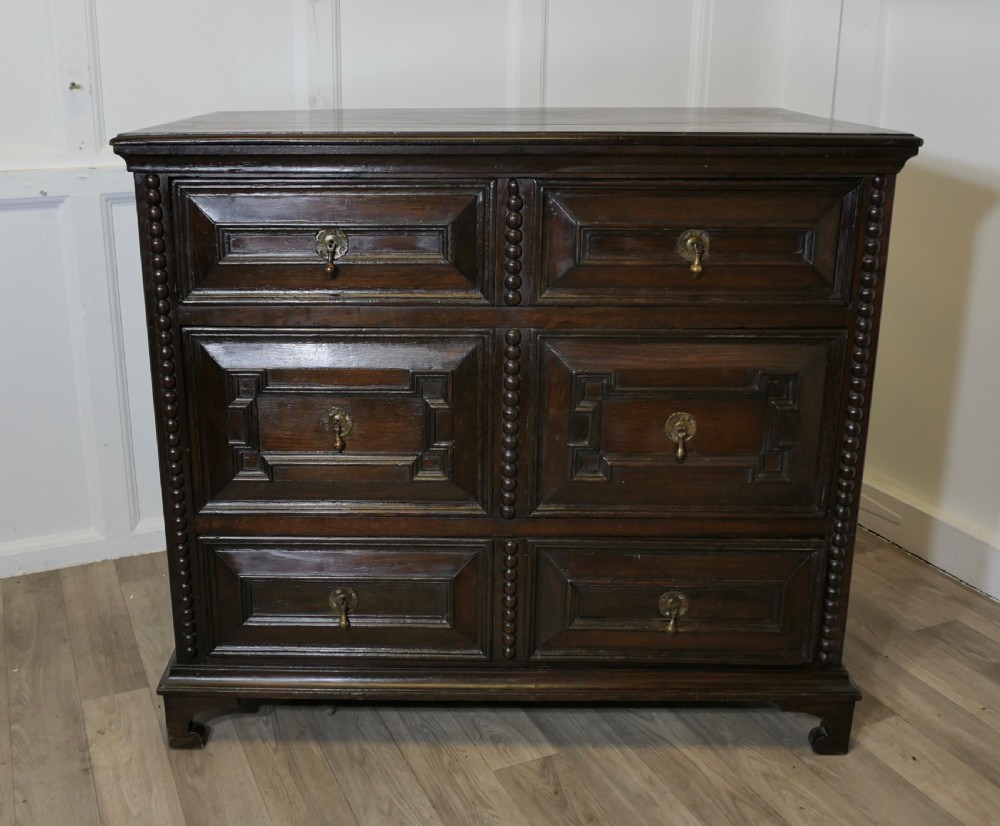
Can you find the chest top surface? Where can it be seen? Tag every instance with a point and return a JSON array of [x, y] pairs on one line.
[[556, 126]]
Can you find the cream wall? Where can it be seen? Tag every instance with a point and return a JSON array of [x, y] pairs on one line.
[[934, 450], [76, 415]]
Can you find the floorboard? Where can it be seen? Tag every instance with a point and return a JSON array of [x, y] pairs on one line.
[[933, 664], [589, 746], [376, 779], [145, 592], [6, 775], [866, 787], [50, 757], [704, 782], [295, 781], [104, 648], [216, 785], [503, 736], [921, 761], [82, 734], [750, 752], [131, 771], [454, 776], [548, 791], [920, 705]]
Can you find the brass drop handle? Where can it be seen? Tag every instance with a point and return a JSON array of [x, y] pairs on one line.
[[338, 436], [331, 244], [339, 423], [344, 600], [672, 605], [693, 245], [680, 428]]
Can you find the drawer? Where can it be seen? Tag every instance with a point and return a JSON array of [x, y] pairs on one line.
[[255, 240], [759, 409], [410, 598], [347, 421], [767, 241], [700, 602]]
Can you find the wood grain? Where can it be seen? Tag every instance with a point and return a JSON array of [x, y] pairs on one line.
[[290, 769], [6, 777], [890, 559], [548, 791], [448, 767], [773, 773], [374, 775], [131, 771], [907, 609], [969, 645], [921, 656], [866, 542], [676, 122], [503, 736], [104, 650], [216, 785], [703, 781], [923, 707], [922, 761], [145, 592], [934, 589], [588, 744], [862, 781], [50, 761], [870, 711]]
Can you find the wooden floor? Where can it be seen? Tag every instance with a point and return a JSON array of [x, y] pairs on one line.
[[81, 731]]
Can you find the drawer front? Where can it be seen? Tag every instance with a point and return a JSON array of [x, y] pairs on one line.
[[256, 241], [767, 241], [404, 598], [760, 410], [693, 602], [349, 421]]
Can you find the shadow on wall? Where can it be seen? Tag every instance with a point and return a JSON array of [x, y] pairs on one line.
[[937, 226]]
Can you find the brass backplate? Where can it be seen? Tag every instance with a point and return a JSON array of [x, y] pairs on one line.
[[690, 238], [344, 598], [337, 415], [680, 426], [673, 604], [331, 241]]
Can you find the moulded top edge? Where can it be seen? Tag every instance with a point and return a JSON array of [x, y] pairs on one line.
[[654, 125]]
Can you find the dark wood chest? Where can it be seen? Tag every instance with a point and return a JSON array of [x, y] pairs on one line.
[[512, 405]]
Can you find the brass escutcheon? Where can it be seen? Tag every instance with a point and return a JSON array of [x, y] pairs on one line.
[[342, 601], [338, 421], [673, 604], [693, 246], [680, 428], [331, 244]]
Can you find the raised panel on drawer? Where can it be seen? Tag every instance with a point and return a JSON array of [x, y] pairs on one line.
[[260, 405], [762, 407], [416, 598], [768, 241], [750, 602], [254, 240]]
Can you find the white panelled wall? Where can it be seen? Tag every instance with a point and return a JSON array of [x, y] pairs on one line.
[[76, 415], [934, 450]]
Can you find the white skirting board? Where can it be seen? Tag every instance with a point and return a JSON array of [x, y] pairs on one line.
[[944, 539], [61, 550]]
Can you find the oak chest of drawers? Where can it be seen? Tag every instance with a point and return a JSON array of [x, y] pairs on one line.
[[512, 405]]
